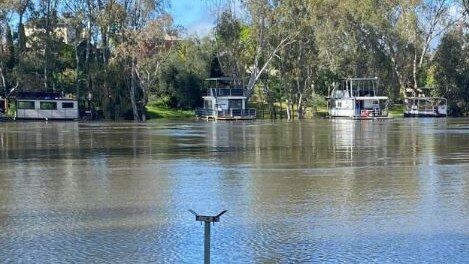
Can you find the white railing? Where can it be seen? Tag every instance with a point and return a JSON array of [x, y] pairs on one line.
[[235, 112]]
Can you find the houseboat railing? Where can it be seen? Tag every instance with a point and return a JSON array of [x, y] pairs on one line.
[[235, 112], [427, 105], [225, 92], [373, 112], [203, 112]]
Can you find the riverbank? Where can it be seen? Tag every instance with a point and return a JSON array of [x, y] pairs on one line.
[[158, 112]]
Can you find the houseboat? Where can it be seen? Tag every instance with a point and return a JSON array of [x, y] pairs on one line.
[[45, 106], [357, 98], [418, 103], [225, 101]]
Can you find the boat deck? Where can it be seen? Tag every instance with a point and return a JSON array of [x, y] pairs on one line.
[[228, 118]]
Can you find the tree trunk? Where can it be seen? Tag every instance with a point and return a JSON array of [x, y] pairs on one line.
[[77, 72], [289, 110], [2, 76], [400, 78], [414, 72], [300, 107], [144, 104], [133, 84]]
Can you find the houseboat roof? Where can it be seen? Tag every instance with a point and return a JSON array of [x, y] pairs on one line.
[[220, 79], [40, 95], [361, 78], [425, 98]]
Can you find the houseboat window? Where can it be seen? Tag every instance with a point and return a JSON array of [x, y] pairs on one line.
[[67, 105], [339, 104], [25, 105], [235, 103], [48, 105], [208, 104]]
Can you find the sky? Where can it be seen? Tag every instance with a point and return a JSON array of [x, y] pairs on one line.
[[194, 15]]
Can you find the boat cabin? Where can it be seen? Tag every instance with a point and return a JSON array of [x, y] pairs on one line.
[[357, 98], [419, 103], [224, 100], [45, 106]]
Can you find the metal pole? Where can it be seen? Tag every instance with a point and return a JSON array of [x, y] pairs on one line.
[[207, 219], [207, 243]]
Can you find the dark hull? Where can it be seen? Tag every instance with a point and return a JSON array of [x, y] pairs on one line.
[[423, 115]]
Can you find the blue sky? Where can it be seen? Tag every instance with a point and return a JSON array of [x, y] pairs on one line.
[[194, 15]]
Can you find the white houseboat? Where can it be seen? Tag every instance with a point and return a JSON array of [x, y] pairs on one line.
[[417, 103], [45, 106], [357, 98], [225, 101]]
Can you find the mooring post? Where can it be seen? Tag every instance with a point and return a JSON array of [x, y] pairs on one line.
[[207, 243], [207, 219]]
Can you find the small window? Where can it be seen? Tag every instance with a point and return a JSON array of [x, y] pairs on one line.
[[67, 105], [48, 105], [235, 103], [25, 105]]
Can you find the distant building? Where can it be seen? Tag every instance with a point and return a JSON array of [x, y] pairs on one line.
[[66, 33], [170, 41]]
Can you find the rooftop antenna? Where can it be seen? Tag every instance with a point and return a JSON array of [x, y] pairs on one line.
[[207, 219]]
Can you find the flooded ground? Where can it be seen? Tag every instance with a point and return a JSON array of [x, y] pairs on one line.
[[328, 191]]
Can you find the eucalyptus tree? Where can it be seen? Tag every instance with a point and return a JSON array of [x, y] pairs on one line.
[[432, 19], [112, 92], [7, 56], [21, 7], [249, 43], [230, 39], [74, 17], [139, 20], [387, 38], [297, 64], [450, 71], [154, 45], [268, 35], [181, 79], [44, 24]]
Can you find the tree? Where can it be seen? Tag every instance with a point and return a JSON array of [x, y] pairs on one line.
[[181, 79], [142, 36], [466, 5], [154, 44], [297, 64], [7, 50], [229, 33], [21, 7], [46, 22], [451, 71]]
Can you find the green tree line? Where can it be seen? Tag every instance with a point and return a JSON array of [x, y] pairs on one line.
[[125, 54]]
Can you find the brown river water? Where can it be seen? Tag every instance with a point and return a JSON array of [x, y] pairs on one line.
[[311, 191]]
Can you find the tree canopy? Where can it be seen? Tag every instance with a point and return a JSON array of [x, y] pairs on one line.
[[124, 55]]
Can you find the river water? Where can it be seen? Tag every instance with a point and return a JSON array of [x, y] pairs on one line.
[[315, 191]]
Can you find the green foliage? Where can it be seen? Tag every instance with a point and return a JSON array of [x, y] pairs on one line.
[[67, 80], [167, 113], [181, 78], [287, 49], [450, 72]]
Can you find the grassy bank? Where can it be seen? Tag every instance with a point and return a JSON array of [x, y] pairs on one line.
[[156, 112], [161, 112], [397, 110]]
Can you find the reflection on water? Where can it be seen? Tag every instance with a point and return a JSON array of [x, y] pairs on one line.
[[383, 191]]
